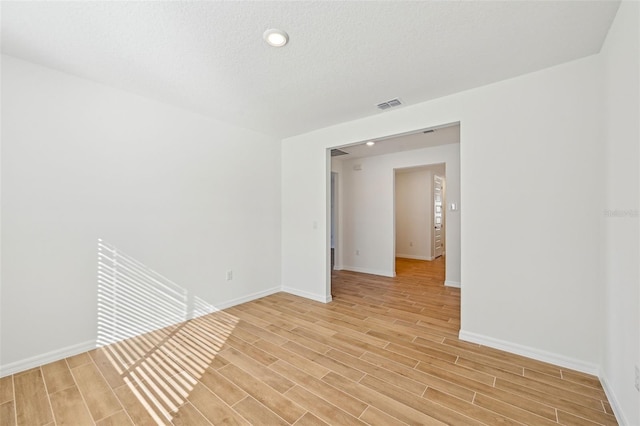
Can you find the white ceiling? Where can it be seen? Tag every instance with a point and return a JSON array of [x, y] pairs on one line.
[[344, 57], [442, 135]]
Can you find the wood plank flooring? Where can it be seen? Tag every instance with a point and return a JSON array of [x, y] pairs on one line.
[[384, 352]]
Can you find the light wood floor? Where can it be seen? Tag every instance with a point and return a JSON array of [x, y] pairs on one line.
[[384, 352]]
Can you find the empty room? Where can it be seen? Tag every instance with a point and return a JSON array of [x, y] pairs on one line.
[[320, 212]]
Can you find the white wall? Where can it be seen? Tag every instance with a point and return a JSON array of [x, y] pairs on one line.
[[529, 148], [531, 214], [413, 211], [621, 249], [187, 196]]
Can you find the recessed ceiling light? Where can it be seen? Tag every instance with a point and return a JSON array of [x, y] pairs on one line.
[[275, 37], [371, 143]]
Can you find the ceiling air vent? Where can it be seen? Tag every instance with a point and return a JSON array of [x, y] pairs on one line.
[[337, 152], [389, 104]]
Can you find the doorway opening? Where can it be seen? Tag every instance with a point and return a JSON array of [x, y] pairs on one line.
[[420, 220], [361, 201], [334, 219]]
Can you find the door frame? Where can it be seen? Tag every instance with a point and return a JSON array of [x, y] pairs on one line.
[[443, 212]]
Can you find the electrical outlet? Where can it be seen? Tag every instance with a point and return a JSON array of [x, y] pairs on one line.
[[229, 275], [637, 379]]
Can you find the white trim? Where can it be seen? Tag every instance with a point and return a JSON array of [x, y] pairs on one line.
[[412, 256], [46, 358], [370, 271], [307, 295], [529, 352], [245, 299], [613, 401], [449, 283]]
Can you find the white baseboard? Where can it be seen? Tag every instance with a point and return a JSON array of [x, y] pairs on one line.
[[247, 298], [46, 358], [613, 401], [450, 283], [414, 257], [529, 352], [381, 272], [307, 295]]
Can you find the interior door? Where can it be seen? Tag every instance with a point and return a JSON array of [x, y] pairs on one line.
[[438, 216]]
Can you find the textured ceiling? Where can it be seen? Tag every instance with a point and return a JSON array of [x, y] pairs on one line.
[[344, 57]]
